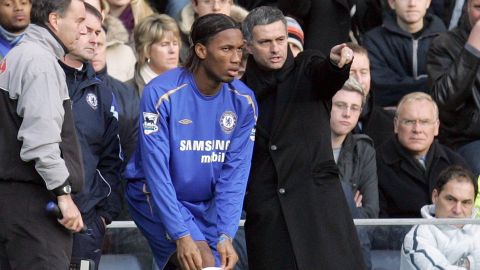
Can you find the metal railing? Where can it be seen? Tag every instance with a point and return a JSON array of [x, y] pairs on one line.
[[358, 222]]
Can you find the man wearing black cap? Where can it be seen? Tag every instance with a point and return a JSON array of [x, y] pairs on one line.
[[39, 154], [187, 178]]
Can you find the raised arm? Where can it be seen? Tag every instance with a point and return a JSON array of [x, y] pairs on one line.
[[453, 71]]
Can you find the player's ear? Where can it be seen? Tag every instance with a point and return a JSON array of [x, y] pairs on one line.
[[201, 51]]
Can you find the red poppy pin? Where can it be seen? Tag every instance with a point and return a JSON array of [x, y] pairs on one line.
[[3, 66]]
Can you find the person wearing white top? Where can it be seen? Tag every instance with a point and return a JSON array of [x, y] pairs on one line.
[[446, 246]]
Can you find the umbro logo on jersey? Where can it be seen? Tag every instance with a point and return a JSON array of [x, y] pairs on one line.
[[185, 121]]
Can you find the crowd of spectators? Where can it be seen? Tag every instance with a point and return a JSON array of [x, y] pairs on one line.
[[388, 121]]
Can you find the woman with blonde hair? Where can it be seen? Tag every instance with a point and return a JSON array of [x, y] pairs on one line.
[[157, 43]]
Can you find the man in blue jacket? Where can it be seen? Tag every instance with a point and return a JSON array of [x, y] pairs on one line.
[[97, 128], [187, 178]]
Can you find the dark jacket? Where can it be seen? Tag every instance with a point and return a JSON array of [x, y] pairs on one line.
[[454, 69], [297, 216], [358, 169], [326, 23], [375, 122], [128, 104], [398, 59], [97, 129], [404, 186]]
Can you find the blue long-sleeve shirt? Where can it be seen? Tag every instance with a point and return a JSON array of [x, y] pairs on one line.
[[194, 151]]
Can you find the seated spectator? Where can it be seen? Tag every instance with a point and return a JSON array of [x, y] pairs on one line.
[[453, 66], [198, 8], [398, 50], [355, 158], [408, 164], [374, 121], [446, 246], [354, 153], [130, 12], [120, 56], [295, 36], [14, 20], [157, 42]]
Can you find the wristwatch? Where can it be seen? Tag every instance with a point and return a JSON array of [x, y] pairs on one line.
[[63, 190]]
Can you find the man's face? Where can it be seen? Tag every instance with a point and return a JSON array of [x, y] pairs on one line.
[[473, 11], [85, 45], [164, 54], [360, 71], [71, 25], [15, 15], [416, 126], [456, 200], [410, 11], [346, 108], [269, 45], [99, 61], [204, 7], [223, 54]]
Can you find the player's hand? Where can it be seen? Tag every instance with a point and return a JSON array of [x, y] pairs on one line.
[[72, 219], [188, 254], [341, 55], [228, 256]]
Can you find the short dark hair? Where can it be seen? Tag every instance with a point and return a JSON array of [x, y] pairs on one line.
[[41, 9], [203, 30], [93, 10], [261, 16], [456, 172]]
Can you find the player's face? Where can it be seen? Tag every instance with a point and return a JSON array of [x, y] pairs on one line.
[[15, 14], [223, 55]]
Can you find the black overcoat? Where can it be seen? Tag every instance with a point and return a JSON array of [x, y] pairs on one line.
[[404, 186], [297, 217]]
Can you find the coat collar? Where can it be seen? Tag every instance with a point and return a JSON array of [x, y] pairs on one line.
[[263, 82], [393, 152], [43, 35]]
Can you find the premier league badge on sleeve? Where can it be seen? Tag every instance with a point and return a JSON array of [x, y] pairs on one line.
[[150, 123], [228, 120]]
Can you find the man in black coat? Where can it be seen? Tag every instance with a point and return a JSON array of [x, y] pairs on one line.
[[409, 164], [297, 217]]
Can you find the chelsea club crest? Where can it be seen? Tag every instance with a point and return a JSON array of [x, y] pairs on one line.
[[92, 100], [228, 120]]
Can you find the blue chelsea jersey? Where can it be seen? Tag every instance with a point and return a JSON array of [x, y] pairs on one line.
[[195, 150]]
